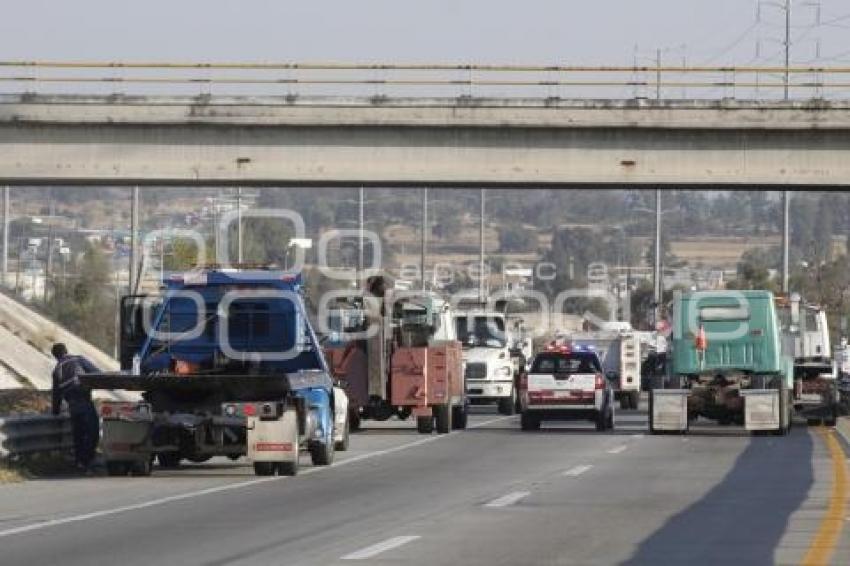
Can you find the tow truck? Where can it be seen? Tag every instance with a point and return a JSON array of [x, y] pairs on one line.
[[727, 365], [805, 338], [492, 360], [228, 365], [566, 383], [403, 358]]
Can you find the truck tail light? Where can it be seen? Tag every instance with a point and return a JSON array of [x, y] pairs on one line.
[[249, 409], [599, 383]]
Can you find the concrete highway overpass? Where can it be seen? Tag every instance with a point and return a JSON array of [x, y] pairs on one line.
[[379, 141]]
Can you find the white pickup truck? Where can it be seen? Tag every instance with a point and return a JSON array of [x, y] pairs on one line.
[[566, 384], [491, 363]]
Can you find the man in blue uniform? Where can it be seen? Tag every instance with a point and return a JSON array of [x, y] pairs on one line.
[[84, 420]]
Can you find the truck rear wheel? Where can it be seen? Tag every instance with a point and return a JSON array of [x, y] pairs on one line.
[[507, 405], [168, 460], [460, 414], [601, 421], [116, 468], [287, 468], [142, 468], [527, 421], [264, 468], [322, 453], [425, 425], [443, 416]]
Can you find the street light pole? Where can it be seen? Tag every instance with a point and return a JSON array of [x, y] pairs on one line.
[[787, 48], [657, 268], [360, 240], [5, 233], [481, 248], [134, 238], [786, 232], [424, 248], [239, 225]]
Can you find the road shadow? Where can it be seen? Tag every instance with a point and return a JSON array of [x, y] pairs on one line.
[[742, 519]]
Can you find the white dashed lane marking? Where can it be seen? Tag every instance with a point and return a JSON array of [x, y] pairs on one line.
[[508, 499], [376, 549]]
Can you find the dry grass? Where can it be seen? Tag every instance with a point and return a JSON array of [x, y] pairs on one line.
[[13, 401], [9, 475], [718, 251]]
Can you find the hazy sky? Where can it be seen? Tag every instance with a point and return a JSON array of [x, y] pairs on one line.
[[528, 31]]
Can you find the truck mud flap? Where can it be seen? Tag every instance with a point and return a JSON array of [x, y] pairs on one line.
[[669, 410], [762, 409], [126, 439]]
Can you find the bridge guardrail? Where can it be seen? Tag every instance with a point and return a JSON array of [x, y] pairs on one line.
[[379, 80], [29, 434]]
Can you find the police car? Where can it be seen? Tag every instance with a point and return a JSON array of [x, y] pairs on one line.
[[566, 383]]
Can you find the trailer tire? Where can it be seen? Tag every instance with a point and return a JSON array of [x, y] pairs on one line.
[[200, 458], [527, 421], [460, 416], [443, 416], [117, 468], [425, 425], [168, 460], [264, 468], [322, 453], [142, 468], [287, 468]]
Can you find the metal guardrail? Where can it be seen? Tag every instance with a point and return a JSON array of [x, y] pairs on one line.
[[28, 434], [559, 81]]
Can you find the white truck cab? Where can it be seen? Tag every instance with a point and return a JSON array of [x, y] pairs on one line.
[[491, 367]]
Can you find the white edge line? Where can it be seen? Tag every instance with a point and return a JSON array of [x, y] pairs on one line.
[[508, 499], [380, 547], [218, 489]]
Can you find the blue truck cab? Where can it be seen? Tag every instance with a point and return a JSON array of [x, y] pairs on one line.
[[220, 357]]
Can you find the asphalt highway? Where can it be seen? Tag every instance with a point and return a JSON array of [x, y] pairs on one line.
[[490, 495]]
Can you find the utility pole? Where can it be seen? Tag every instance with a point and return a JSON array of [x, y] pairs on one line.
[[658, 74], [239, 225], [482, 197], [657, 271], [361, 196], [424, 248], [5, 233], [786, 195], [134, 239], [786, 220], [787, 48], [48, 261]]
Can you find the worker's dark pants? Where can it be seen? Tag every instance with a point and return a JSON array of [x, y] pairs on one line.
[[86, 430]]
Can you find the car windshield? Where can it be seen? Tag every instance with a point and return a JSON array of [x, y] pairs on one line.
[[574, 363], [481, 331]]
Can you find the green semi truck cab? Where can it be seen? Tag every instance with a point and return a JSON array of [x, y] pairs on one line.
[[726, 364]]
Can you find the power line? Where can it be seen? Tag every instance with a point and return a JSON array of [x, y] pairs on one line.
[[738, 41]]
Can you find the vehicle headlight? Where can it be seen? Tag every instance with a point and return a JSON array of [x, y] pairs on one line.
[[503, 372]]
